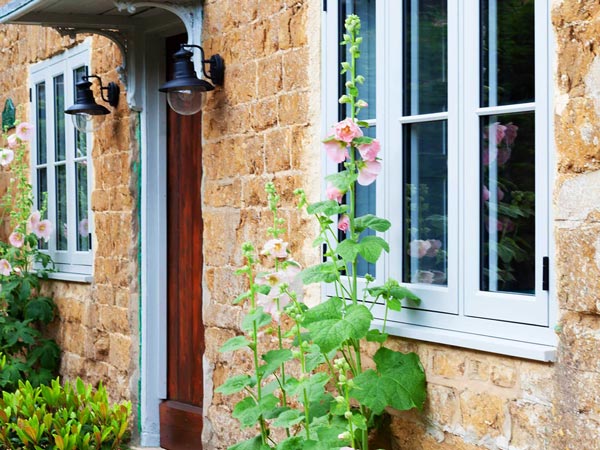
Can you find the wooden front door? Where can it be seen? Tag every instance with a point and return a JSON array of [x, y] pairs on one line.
[[181, 412]]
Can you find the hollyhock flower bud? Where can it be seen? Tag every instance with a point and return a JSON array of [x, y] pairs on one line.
[[369, 152], [334, 193], [346, 130], [362, 104], [344, 223]]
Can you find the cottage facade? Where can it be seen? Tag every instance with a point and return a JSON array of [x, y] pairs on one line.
[[145, 290]]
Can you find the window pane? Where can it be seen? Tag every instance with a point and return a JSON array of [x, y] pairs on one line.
[[42, 197], [366, 64], [40, 94], [508, 203], [83, 238], [425, 56], [59, 117], [426, 196], [507, 52], [61, 207], [80, 138]]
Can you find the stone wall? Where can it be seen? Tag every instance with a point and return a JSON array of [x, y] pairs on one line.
[[97, 322]]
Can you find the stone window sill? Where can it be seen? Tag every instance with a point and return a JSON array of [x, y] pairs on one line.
[[73, 277]]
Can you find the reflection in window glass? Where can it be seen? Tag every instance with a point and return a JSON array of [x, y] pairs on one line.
[[83, 232], [80, 138], [365, 204], [507, 52], [508, 203], [40, 94], [425, 56], [59, 118], [61, 207], [42, 197], [426, 197]]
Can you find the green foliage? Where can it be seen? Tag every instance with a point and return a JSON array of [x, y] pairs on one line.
[[24, 312], [69, 417], [331, 401]]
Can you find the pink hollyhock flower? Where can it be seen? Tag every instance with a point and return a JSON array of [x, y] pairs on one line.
[[24, 131], [84, 228], [32, 221], [503, 155], [346, 130], [419, 248], [12, 141], [6, 156], [43, 230], [496, 129], [344, 223], [368, 171], [369, 151], [5, 267], [485, 194], [511, 133], [16, 239], [336, 151], [500, 194], [276, 280], [435, 245], [276, 248], [334, 193]]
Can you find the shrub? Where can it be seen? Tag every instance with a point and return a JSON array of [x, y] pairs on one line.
[[59, 417]]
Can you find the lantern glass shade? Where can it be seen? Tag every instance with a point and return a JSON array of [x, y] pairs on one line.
[[186, 100], [87, 123]]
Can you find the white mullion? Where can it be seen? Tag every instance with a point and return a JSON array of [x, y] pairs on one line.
[[506, 109], [419, 118], [50, 159], [69, 158]]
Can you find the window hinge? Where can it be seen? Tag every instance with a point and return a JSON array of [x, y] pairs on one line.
[[545, 273]]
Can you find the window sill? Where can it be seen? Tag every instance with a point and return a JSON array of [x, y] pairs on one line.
[[73, 277], [469, 341]]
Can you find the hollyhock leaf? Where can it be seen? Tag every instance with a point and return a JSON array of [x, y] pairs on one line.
[[313, 358], [326, 272], [348, 250], [251, 444], [297, 443], [370, 248], [393, 303], [399, 382], [401, 293], [329, 309], [236, 384], [247, 411], [373, 222], [327, 207], [362, 140], [288, 418], [376, 336], [40, 308], [342, 180], [274, 359], [235, 343], [313, 385], [257, 316]]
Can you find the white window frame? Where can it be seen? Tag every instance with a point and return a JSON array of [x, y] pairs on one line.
[[71, 264], [458, 314]]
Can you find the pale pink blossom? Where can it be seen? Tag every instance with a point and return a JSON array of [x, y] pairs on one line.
[[511, 133], [361, 104], [276, 248], [368, 172], [275, 301], [12, 141], [336, 151], [84, 228], [435, 245], [419, 248], [344, 223], [346, 130], [503, 224], [6, 156], [16, 239], [334, 193], [43, 229], [24, 131], [497, 130], [503, 155], [33, 220], [369, 151], [5, 267], [485, 194]]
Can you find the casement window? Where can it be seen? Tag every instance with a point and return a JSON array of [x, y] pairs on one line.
[[458, 96], [61, 161]]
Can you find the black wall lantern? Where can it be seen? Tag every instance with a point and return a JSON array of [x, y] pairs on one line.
[[88, 115], [186, 93]]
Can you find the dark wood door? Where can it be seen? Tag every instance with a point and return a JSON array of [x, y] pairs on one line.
[[181, 412]]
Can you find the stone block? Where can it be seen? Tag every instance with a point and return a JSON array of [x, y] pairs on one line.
[[277, 150], [221, 193], [580, 340], [264, 114], [245, 87], [119, 353], [293, 108], [483, 414], [478, 369], [448, 363], [532, 425], [504, 375], [443, 406], [270, 76], [253, 192], [296, 69], [220, 244]]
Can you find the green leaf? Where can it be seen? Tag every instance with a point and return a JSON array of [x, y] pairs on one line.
[[274, 359], [348, 250], [399, 382], [235, 384], [362, 140], [258, 317], [376, 336], [402, 293], [371, 247], [314, 386], [373, 222], [240, 298], [296, 443], [289, 418], [235, 343], [248, 411], [342, 180], [40, 308], [313, 358], [326, 272], [251, 444], [330, 329], [327, 207]]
